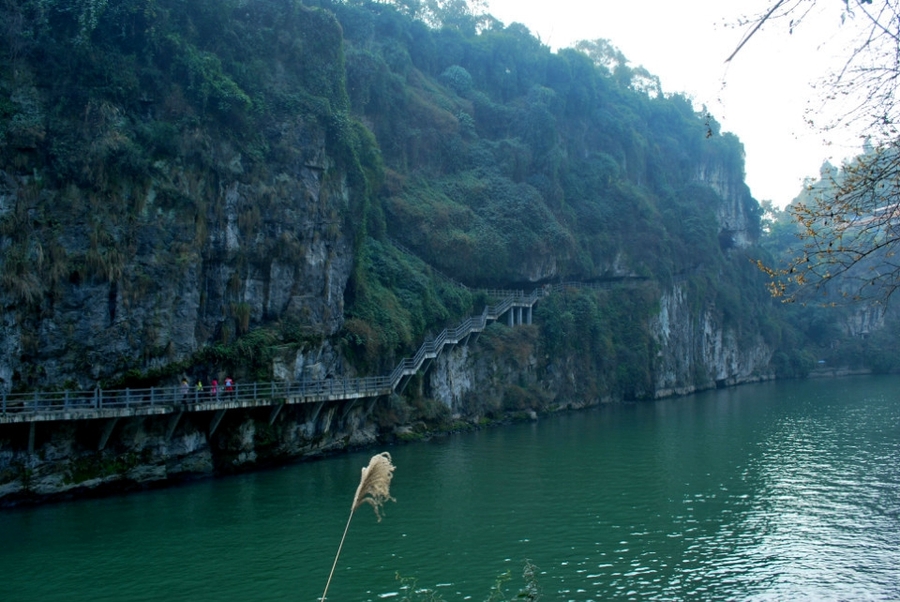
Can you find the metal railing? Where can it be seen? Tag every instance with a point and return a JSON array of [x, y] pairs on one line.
[[73, 405]]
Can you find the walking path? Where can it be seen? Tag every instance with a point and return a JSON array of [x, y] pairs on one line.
[[42, 406]]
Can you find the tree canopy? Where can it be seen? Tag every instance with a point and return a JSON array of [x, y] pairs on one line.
[[849, 225], [848, 221]]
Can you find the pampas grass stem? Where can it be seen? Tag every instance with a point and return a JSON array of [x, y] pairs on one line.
[[374, 489]]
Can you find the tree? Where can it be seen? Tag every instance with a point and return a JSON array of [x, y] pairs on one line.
[[465, 15], [849, 225], [849, 222]]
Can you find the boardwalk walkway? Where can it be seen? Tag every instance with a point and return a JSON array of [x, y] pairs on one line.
[[105, 404]]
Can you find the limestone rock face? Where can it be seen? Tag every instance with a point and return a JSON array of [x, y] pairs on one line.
[[453, 380], [696, 351], [864, 321], [735, 224], [209, 256], [179, 204]]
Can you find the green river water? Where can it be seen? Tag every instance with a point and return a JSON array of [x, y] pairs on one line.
[[781, 491]]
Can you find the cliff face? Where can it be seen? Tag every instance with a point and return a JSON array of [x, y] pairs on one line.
[[696, 351], [168, 183], [157, 288], [736, 226]]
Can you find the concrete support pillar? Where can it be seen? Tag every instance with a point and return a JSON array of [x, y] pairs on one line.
[[173, 422], [107, 431], [314, 416], [519, 316], [510, 319], [217, 418], [347, 408], [315, 413], [425, 366], [528, 314], [275, 410], [404, 380]]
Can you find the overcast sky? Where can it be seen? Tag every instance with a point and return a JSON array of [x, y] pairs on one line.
[[762, 95]]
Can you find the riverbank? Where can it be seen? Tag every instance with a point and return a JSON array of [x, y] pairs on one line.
[[837, 372], [143, 454]]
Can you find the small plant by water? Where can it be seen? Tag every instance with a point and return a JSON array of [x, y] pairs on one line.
[[374, 489]]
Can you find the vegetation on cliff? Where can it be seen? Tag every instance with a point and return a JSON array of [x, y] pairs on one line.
[[508, 165], [829, 321], [166, 163]]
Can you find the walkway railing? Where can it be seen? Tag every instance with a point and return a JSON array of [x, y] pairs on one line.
[[80, 405], [75, 405]]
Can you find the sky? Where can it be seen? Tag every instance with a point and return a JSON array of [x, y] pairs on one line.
[[762, 95]]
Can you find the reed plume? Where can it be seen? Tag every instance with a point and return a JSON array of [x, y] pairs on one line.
[[374, 489]]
